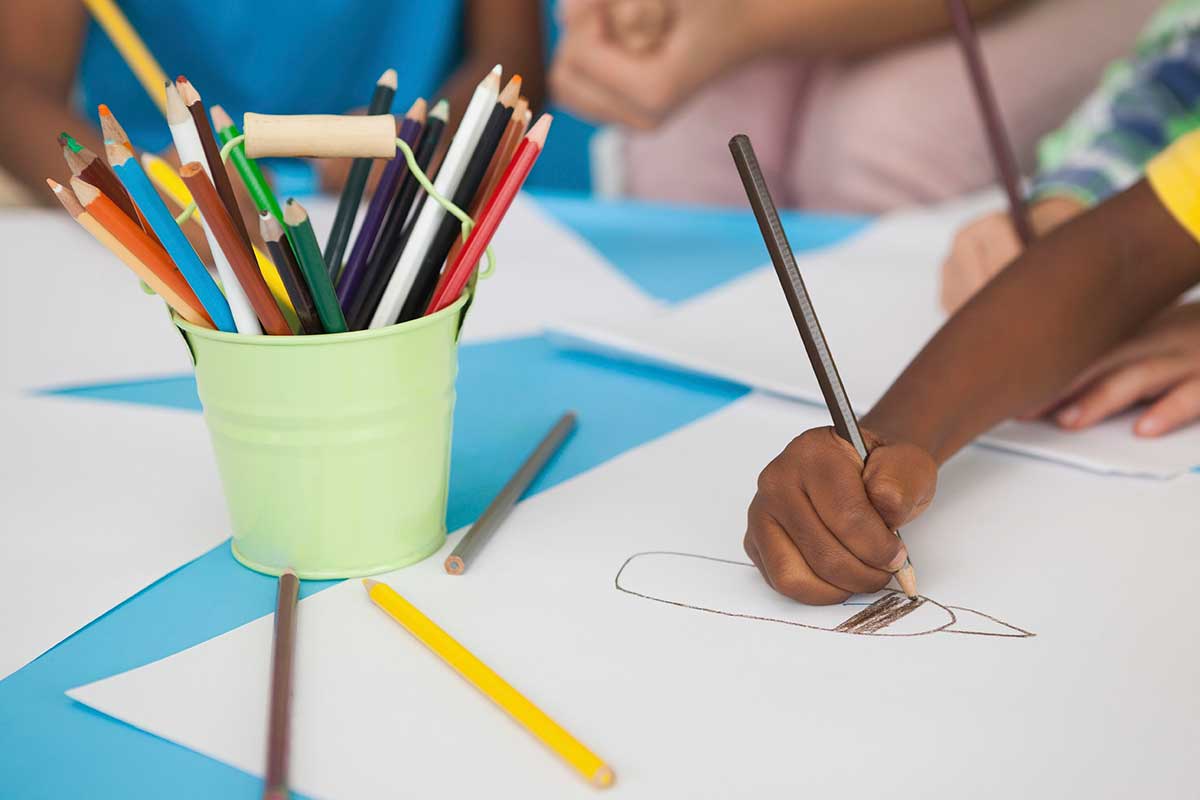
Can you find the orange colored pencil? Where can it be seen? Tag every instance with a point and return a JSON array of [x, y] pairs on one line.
[[101, 217]]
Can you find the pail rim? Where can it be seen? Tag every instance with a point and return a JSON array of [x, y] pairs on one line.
[[320, 338]]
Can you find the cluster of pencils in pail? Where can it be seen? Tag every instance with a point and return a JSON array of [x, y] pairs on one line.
[[415, 252]]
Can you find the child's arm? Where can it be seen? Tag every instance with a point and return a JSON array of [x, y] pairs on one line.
[[819, 529], [40, 42]]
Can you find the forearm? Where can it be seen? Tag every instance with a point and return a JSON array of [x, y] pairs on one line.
[[1064, 303], [29, 125], [853, 27]]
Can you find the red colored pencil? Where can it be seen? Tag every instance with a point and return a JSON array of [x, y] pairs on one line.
[[455, 277]]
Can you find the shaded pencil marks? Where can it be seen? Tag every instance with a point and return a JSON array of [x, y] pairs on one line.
[[734, 589]]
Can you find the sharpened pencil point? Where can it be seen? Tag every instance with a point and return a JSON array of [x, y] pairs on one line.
[[418, 110], [441, 110], [388, 79], [370, 584]]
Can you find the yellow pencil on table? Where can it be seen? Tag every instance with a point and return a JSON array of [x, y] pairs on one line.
[[167, 180], [132, 49], [532, 718]]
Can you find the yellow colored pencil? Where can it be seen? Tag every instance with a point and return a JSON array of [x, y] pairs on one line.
[[168, 181], [532, 718], [132, 49]]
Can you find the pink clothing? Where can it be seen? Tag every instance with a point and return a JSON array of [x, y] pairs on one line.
[[888, 130]]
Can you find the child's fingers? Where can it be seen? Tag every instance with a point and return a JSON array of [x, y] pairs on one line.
[[592, 101], [1178, 407], [1120, 389], [833, 481], [785, 568], [826, 556], [900, 481]]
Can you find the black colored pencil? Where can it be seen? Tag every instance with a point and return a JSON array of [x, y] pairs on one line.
[[356, 181], [289, 272]]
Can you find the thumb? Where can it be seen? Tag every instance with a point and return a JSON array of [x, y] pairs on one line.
[[900, 480]]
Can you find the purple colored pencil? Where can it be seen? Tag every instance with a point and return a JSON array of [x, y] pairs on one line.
[[385, 193], [1002, 152]]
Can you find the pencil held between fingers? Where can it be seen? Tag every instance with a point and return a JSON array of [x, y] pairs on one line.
[[822, 526]]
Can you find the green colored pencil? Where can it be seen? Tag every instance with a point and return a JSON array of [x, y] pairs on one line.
[[256, 183], [356, 181], [308, 253], [67, 140]]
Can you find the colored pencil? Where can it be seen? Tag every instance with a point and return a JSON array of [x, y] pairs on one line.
[[449, 230], [100, 217], [91, 167], [385, 193], [508, 146], [844, 421], [498, 510], [131, 47], [252, 177], [224, 253], [289, 269], [212, 152], [429, 217], [308, 255], [169, 183], [111, 128], [458, 273], [279, 712], [245, 270], [176, 244], [985, 97], [482, 677], [390, 242], [356, 181]]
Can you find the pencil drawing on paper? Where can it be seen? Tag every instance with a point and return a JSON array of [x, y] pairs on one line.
[[734, 589]]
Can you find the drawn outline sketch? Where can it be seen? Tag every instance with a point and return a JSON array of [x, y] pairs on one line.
[[870, 615]]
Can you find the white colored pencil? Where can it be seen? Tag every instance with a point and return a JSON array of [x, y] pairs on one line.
[[189, 148], [448, 177]]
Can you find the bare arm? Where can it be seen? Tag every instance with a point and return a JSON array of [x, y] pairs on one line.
[[1069, 299], [40, 44]]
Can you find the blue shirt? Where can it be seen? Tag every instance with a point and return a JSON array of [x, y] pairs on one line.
[[273, 56]]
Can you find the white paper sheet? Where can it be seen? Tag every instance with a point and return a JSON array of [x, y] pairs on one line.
[[71, 313], [876, 298], [1100, 702], [100, 498]]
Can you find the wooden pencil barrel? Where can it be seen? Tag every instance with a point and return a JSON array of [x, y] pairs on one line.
[[320, 135]]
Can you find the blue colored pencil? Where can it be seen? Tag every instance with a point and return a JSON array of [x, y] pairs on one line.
[[130, 173]]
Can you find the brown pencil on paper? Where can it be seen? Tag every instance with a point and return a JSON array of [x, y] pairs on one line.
[[279, 713], [243, 264], [844, 421], [1001, 147], [212, 153], [496, 512]]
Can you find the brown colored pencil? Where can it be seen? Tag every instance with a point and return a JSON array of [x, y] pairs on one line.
[[289, 272], [99, 215], [243, 264], [504, 154], [92, 168], [1002, 152], [279, 713], [212, 152]]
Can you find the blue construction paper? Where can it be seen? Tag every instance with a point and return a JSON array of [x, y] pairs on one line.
[[677, 252]]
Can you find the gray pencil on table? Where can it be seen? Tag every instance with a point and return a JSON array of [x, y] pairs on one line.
[[501, 505]]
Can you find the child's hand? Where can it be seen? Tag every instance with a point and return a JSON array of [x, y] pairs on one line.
[[1161, 365], [821, 527], [984, 247]]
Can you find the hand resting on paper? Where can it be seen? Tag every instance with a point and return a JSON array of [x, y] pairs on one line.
[[1160, 366], [987, 245], [821, 527]]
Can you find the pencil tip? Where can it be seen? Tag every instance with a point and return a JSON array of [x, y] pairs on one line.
[[370, 584], [103, 109], [53, 184], [497, 70], [441, 110], [388, 78], [417, 110]]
